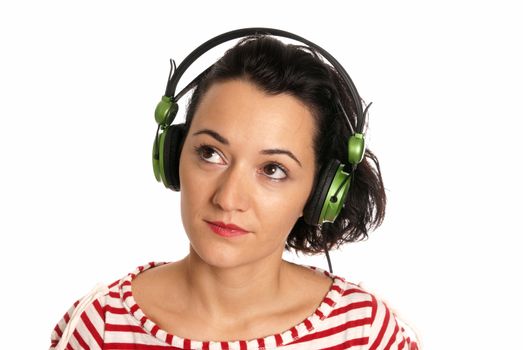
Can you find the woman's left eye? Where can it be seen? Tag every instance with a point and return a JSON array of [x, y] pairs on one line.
[[275, 171]]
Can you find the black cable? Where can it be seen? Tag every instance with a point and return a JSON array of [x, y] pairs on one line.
[[326, 250]]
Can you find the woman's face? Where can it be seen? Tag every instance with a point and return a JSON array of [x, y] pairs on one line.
[[248, 161]]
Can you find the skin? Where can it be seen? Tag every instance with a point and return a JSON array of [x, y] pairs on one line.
[[239, 287]]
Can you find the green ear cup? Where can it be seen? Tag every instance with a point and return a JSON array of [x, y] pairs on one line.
[[165, 111], [162, 164], [158, 159], [164, 115], [356, 148], [336, 196]]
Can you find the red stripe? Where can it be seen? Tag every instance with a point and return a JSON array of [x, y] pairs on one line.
[[392, 338], [352, 291], [169, 339], [99, 309], [348, 344], [294, 333], [205, 345], [67, 318], [351, 306], [374, 309], [225, 345], [308, 324], [155, 330], [402, 344], [261, 343], [331, 331], [80, 340], [115, 310], [92, 329], [69, 347], [58, 330], [114, 295], [127, 295], [134, 308], [113, 284], [187, 344], [136, 346], [279, 340], [384, 327], [336, 288], [329, 301], [109, 327], [126, 283], [243, 345]]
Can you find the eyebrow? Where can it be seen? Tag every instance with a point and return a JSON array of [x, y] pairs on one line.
[[224, 141]]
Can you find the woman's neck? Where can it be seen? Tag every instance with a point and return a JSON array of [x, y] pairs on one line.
[[236, 292]]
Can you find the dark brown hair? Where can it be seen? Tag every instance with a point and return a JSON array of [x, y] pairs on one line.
[[278, 68]]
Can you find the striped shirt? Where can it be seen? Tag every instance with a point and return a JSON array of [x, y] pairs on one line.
[[347, 318]]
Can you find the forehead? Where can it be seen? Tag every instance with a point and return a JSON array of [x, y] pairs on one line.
[[244, 114]]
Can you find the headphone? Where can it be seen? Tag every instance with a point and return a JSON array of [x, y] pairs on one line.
[[334, 180]]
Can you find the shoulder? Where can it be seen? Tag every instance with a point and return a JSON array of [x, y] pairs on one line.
[[366, 318], [380, 325], [84, 323]]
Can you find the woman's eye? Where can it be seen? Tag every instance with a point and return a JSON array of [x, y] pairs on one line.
[[275, 171], [208, 154]]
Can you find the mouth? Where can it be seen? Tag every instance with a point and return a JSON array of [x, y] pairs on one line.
[[226, 230]]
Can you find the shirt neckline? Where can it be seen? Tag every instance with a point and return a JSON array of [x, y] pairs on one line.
[[269, 342]]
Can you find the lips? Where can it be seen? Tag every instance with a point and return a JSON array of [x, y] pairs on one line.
[[226, 230]]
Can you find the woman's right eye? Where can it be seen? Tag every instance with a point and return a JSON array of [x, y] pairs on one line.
[[208, 154]]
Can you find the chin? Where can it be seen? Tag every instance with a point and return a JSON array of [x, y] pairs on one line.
[[218, 255]]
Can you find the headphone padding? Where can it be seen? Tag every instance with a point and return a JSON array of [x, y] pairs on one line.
[[312, 211], [172, 148]]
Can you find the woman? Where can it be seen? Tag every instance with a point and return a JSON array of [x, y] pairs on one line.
[[266, 126]]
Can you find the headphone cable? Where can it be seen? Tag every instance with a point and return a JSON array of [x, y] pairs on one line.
[[325, 249], [328, 260]]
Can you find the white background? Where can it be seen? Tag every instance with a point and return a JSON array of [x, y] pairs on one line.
[[79, 205]]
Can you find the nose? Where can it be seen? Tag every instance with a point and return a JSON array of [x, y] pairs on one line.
[[232, 190]]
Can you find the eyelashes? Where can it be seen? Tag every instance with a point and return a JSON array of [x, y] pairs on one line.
[[208, 154], [273, 170]]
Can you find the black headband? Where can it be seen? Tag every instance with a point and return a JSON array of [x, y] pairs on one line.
[[177, 72]]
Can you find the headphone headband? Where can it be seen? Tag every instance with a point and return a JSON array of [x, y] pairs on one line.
[[177, 73]]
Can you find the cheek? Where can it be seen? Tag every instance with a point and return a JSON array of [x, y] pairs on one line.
[[280, 213], [192, 187]]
